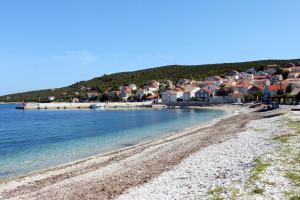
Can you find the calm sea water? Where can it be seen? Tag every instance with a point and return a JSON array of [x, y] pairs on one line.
[[36, 139]]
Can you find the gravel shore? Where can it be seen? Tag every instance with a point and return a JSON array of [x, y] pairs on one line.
[[254, 165]]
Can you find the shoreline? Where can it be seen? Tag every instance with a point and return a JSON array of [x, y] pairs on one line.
[[141, 142], [167, 135], [84, 166]]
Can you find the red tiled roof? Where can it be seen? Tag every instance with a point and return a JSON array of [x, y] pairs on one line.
[[238, 95], [274, 87], [209, 82], [271, 87], [260, 77]]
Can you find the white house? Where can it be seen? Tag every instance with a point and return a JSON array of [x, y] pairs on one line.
[[190, 93], [51, 98], [133, 87], [171, 96]]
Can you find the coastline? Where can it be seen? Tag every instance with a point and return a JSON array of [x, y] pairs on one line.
[[30, 185], [166, 135]]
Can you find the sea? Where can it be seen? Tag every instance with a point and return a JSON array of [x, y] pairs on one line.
[[32, 140]]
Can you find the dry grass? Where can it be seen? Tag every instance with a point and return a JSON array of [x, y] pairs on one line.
[[260, 167], [284, 138]]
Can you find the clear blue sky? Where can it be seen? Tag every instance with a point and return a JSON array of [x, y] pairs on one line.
[[53, 43]]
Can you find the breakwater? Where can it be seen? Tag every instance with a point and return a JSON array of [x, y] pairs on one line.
[[59, 105]]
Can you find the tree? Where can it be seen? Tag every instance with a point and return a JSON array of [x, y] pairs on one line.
[[298, 97], [285, 74], [279, 71], [249, 97], [105, 97], [257, 95], [130, 98], [224, 91], [280, 92], [289, 88], [170, 72]]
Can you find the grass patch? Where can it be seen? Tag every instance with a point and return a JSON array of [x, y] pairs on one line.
[[216, 192], [258, 191], [297, 158], [283, 138], [295, 126], [258, 169], [234, 193], [295, 198], [294, 177]]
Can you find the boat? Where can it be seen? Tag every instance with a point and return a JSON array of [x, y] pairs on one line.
[[296, 108], [255, 105], [98, 106]]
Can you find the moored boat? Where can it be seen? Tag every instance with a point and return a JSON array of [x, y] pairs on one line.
[[98, 106], [296, 108]]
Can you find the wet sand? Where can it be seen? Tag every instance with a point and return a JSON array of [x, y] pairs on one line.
[[109, 175]]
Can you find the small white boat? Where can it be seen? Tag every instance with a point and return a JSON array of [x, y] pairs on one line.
[[98, 106], [296, 108]]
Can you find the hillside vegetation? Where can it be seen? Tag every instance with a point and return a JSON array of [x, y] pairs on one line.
[[171, 72]]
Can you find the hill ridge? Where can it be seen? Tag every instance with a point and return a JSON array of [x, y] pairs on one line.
[[139, 77]]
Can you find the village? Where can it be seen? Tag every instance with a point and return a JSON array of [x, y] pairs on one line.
[[261, 85]]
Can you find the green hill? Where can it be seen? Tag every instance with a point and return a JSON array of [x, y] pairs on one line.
[[172, 72]]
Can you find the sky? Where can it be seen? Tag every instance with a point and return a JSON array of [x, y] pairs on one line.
[[54, 43]]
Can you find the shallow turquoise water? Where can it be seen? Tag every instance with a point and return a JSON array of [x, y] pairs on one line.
[[36, 139]]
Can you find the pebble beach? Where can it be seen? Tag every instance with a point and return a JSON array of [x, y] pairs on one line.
[[227, 170], [241, 156]]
